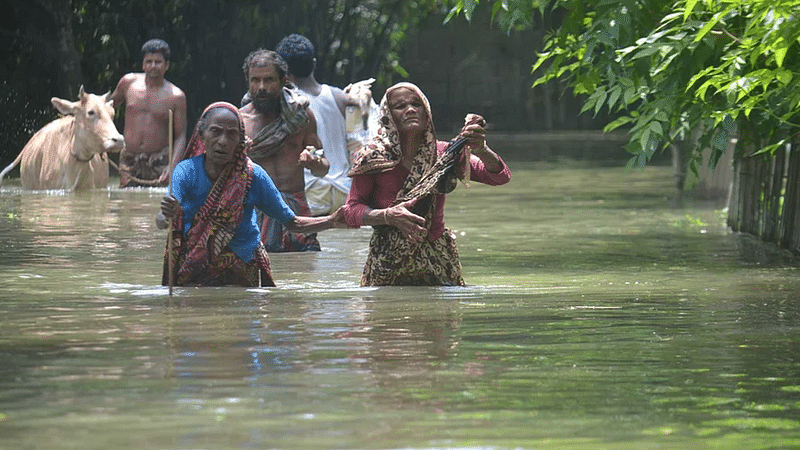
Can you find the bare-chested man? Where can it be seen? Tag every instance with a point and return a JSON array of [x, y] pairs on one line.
[[285, 134], [148, 97]]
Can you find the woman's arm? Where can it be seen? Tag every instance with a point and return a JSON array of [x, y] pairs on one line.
[[490, 161], [358, 210], [268, 199], [300, 224], [399, 216], [481, 173], [169, 209]]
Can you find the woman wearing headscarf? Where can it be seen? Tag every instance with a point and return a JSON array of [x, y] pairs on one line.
[[211, 207], [398, 187]]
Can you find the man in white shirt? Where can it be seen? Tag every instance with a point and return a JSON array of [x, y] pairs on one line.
[[329, 105]]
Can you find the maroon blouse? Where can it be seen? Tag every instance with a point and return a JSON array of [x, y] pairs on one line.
[[379, 190]]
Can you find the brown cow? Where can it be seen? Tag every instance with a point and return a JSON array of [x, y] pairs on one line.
[[68, 152]]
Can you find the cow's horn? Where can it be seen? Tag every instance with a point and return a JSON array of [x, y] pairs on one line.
[[81, 92]]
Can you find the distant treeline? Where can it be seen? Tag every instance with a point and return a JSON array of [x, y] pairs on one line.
[[54, 46]]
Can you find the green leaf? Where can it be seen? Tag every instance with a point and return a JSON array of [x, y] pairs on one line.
[[614, 96], [616, 123], [632, 162], [701, 91], [656, 128], [720, 140], [469, 8], [689, 8], [588, 104], [454, 11], [601, 99], [780, 54], [784, 76], [629, 95], [496, 8], [647, 51], [712, 23], [772, 148], [644, 140], [699, 75]]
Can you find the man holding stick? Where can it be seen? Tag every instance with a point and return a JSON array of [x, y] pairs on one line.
[[148, 98]]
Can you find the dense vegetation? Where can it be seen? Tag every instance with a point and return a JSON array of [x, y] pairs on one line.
[[667, 68], [704, 72]]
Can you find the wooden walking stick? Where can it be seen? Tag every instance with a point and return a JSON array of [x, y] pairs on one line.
[[169, 192]]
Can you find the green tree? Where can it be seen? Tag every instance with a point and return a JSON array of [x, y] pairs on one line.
[[717, 69], [667, 67]]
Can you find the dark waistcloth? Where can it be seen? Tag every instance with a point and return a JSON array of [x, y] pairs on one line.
[[144, 166], [276, 238]]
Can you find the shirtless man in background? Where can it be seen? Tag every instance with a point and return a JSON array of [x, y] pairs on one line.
[[284, 133], [148, 97]]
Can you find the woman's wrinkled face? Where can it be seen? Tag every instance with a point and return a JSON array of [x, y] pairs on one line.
[[408, 111], [221, 138]]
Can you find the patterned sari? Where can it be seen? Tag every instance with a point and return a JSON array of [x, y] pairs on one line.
[[201, 257], [392, 259]]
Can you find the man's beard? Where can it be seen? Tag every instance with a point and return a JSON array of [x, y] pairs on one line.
[[267, 104]]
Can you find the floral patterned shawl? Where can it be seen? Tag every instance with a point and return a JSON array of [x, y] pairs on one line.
[[429, 173], [392, 259]]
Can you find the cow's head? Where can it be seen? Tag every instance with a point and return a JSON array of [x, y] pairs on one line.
[[94, 121]]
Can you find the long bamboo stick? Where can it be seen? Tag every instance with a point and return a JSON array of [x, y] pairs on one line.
[[169, 192]]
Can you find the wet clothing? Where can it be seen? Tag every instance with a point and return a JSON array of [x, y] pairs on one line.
[[144, 166], [215, 238], [379, 190], [293, 117], [380, 181], [331, 132]]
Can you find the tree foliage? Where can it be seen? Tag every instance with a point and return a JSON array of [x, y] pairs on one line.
[[665, 68]]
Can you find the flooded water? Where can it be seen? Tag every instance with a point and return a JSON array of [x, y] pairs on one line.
[[596, 316]]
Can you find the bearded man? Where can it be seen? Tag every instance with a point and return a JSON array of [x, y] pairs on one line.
[[284, 135]]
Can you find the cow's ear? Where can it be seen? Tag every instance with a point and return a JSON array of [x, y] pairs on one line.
[[64, 106], [107, 98]]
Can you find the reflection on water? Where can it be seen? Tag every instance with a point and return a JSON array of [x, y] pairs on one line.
[[595, 316]]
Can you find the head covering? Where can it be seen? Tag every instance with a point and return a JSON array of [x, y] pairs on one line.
[[215, 223], [430, 173], [197, 147], [384, 152]]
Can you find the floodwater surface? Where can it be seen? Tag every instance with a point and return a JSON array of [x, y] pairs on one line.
[[597, 315]]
